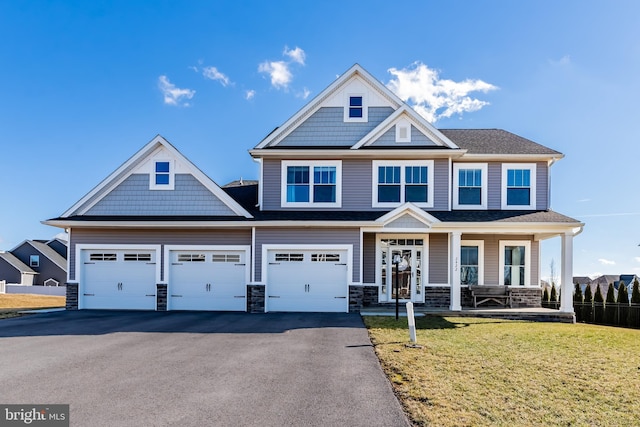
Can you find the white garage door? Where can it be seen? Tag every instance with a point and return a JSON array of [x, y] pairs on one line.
[[208, 280], [118, 279], [307, 280]]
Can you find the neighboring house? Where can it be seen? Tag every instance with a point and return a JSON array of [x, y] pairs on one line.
[[603, 282], [583, 281], [351, 187], [15, 272], [44, 258]]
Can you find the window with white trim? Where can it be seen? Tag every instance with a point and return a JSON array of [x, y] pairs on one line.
[[470, 186], [398, 182], [316, 183], [34, 260], [515, 263], [472, 262], [519, 186], [162, 176], [355, 109]]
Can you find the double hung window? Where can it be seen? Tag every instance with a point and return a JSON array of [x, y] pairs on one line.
[[470, 186], [311, 183], [518, 188], [400, 182]]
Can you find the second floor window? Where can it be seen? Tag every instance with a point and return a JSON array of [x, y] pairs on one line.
[[401, 182], [312, 185], [518, 188], [469, 186]]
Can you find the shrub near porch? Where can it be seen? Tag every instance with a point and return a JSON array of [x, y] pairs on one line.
[[497, 372]]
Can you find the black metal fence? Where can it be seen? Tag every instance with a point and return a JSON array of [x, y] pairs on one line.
[[612, 314]]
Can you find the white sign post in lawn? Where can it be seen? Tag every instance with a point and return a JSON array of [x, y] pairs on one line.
[[412, 322]]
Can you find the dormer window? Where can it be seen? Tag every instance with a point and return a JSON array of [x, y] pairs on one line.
[[162, 177], [356, 109]]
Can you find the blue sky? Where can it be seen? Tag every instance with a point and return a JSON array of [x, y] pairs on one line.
[[86, 84]]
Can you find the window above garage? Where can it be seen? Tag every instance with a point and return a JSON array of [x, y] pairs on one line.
[[311, 183], [162, 176]]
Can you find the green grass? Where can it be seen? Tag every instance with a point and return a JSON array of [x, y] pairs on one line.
[[499, 372]]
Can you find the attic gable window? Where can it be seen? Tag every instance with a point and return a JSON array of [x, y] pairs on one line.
[[355, 109], [162, 176]]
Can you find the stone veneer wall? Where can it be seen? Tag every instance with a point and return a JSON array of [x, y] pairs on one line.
[[362, 296], [161, 297], [255, 298], [437, 297], [526, 297], [72, 297]]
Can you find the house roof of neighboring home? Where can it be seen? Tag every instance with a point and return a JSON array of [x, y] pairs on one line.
[[495, 141], [49, 252], [582, 280], [16, 263], [605, 279]]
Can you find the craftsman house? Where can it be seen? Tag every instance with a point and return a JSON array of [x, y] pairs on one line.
[[357, 196]]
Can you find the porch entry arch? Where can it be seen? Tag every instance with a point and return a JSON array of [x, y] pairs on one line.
[[412, 252]]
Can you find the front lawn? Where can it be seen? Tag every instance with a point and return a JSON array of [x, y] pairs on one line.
[[499, 372], [10, 304]]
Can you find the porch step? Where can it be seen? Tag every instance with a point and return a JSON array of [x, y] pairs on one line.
[[530, 314]]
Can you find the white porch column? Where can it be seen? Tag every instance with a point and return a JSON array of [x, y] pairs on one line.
[[566, 271], [454, 271]]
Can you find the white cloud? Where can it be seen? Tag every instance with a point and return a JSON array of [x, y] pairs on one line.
[[584, 200], [278, 72], [304, 94], [172, 94], [296, 55], [606, 261], [212, 73], [249, 94], [565, 60], [637, 259], [435, 98]]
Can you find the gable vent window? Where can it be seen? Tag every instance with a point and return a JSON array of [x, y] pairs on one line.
[[355, 107], [162, 175], [403, 132]]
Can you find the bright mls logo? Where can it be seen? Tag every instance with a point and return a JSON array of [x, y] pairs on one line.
[[34, 415]]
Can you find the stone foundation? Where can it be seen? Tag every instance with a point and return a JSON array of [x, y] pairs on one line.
[[161, 297], [72, 296], [362, 296], [255, 298], [526, 297]]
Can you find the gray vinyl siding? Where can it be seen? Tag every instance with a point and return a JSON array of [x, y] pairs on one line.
[[133, 197], [326, 127], [494, 186], [492, 256], [47, 269], [306, 236], [154, 237], [441, 182], [369, 258], [356, 186], [438, 258], [542, 186], [389, 139]]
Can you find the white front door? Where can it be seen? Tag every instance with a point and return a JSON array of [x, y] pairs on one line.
[[213, 280], [307, 280], [118, 279]]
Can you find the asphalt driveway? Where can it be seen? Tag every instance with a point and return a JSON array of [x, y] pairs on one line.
[[197, 369]]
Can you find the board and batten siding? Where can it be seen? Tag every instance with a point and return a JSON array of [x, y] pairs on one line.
[[492, 255], [308, 237], [154, 237]]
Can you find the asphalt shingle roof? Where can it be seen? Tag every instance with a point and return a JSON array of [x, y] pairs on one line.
[[495, 141]]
